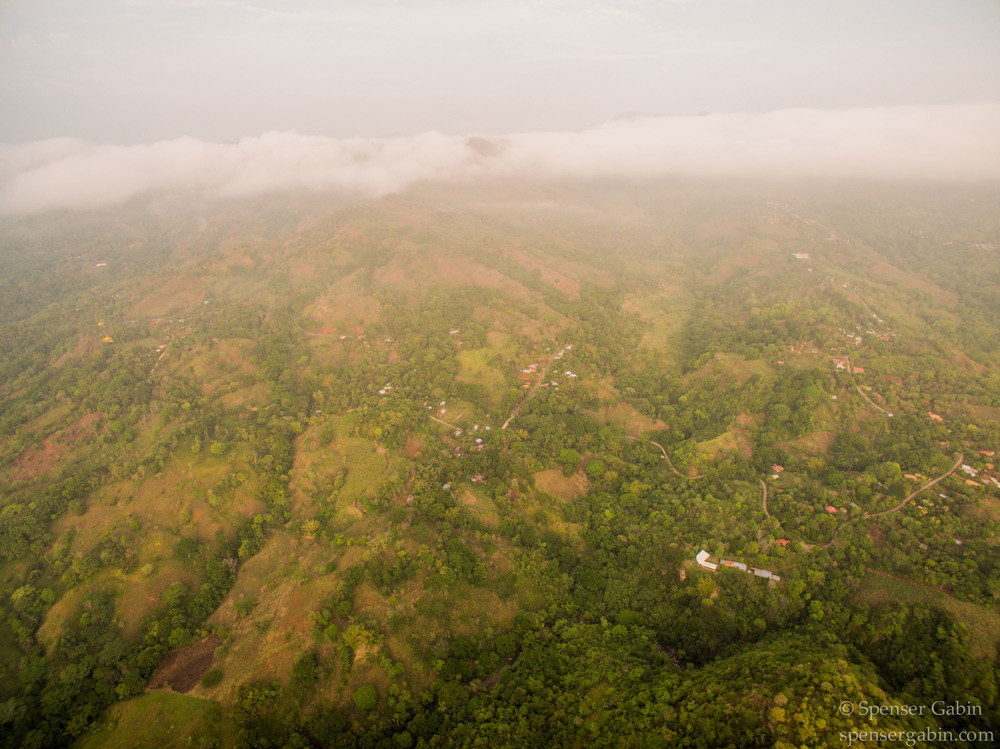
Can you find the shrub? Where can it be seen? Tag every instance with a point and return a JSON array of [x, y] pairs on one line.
[[305, 669], [211, 678], [366, 698]]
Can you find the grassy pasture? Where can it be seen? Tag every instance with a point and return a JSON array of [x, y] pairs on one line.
[[738, 368], [816, 443], [474, 368], [157, 502], [663, 316], [982, 623], [480, 507], [135, 596], [564, 487], [151, 517], [626, 418], [287, 579], [161, 719], [732, 441], [45, 456], [175, 294]]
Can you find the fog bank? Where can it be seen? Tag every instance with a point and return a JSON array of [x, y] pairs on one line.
[[946, 143]]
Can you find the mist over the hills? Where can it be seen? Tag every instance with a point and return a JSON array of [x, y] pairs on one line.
[[949, 142]]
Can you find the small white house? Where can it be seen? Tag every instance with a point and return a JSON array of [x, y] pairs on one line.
[[702, 559]]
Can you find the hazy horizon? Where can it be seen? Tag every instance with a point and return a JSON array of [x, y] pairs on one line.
[[129, 72], [102, 103], [929, 143]]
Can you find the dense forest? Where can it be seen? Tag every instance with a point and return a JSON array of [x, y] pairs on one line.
[[434, 471]]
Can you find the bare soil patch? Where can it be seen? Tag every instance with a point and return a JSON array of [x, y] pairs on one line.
[[413, 447], [182, 669], [36, 461]]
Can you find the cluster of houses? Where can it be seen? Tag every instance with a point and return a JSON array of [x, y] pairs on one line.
[[776, 471], [775, 216], [702, 559], [532, 369], [985, 476], [854, 338], [802, 348]]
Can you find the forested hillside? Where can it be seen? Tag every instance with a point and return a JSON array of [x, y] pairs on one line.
[[434, 470]]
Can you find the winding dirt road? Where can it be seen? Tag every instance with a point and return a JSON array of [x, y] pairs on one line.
[[926, 486], [863, 302], [669, 462], [897, 508], [873, 403], [440, 421], [531, 393]]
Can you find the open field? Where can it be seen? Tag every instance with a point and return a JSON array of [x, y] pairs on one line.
[[160, 719], [628, 419], [564, 487], [983, 624], [475, 369], [45, 456]]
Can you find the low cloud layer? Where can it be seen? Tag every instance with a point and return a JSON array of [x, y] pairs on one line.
[[946, 143]]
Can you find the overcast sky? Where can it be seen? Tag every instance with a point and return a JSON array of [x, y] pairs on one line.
[[102, 100], [131, 71]]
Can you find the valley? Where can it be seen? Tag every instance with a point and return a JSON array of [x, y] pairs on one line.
[[433, 469]]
